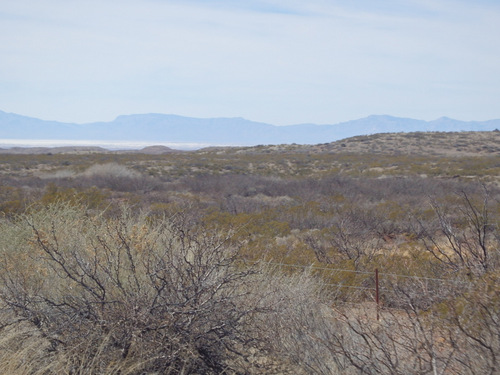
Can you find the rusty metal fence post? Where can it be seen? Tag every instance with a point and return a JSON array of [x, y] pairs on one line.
[[377, 299]]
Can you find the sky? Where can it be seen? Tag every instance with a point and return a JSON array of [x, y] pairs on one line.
[[277, 61]]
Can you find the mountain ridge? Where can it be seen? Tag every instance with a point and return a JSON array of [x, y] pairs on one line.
[[157, 128]]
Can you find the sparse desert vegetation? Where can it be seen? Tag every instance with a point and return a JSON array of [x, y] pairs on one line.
[[254, 260]]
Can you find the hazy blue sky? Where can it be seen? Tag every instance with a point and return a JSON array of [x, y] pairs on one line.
[[276, 61]]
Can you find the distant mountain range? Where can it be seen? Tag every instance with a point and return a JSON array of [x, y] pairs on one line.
[[173, 129]]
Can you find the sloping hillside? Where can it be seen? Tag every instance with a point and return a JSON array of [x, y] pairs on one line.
[[425, 143], [417, 143]]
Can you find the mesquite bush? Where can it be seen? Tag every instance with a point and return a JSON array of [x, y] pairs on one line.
[[132, 288]]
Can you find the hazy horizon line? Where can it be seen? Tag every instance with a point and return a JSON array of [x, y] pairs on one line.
[[108, 145]]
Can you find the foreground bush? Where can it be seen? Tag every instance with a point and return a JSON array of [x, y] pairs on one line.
[[130, 295]]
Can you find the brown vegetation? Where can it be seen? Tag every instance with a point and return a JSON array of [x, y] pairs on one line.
[[254, 260]]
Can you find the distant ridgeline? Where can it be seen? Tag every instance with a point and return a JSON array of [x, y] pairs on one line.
[[147, 129]]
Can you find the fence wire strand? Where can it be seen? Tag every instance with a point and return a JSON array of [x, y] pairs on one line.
[[332, 270]]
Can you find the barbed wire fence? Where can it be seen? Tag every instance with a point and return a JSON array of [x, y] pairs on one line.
[[373, 285]]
